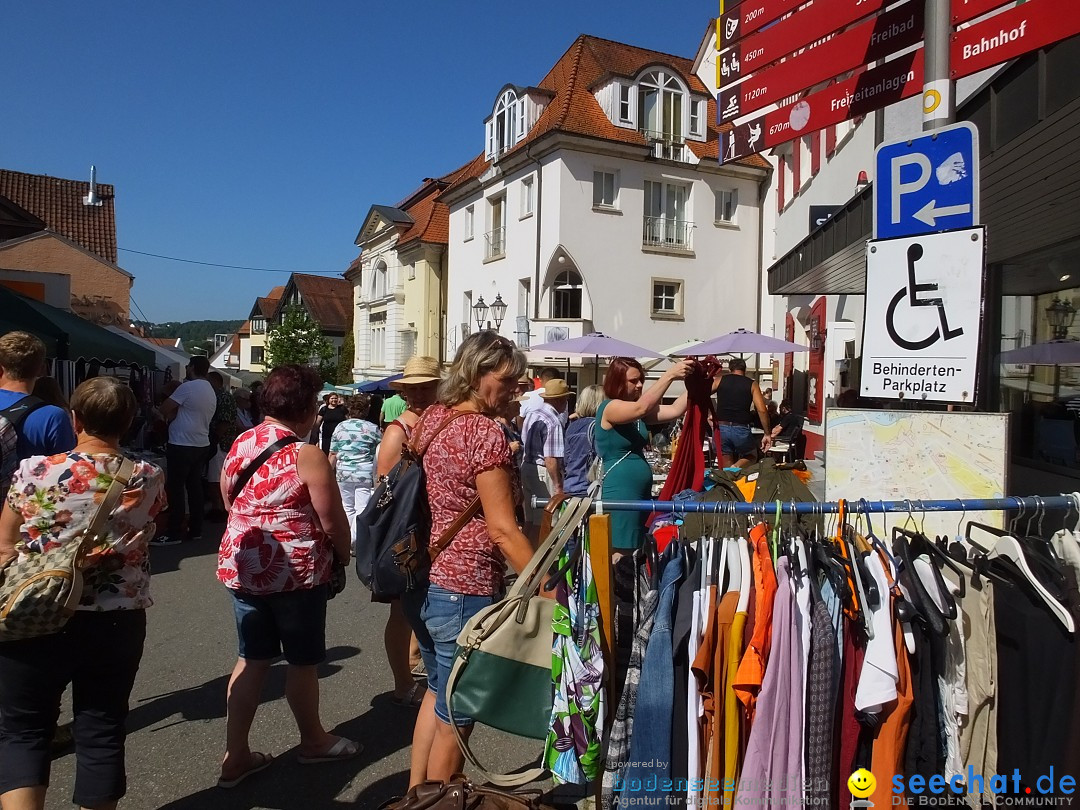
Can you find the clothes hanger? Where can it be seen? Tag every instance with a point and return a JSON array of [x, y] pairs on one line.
[[747, 578], [1007, 548], [909, 578]]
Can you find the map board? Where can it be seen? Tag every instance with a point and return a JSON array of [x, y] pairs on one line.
[[917, 455]]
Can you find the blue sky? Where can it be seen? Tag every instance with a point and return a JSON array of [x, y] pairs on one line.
[[259, 133]]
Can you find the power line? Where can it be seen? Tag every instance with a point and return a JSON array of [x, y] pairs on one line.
[[229, 266], [135, 304]]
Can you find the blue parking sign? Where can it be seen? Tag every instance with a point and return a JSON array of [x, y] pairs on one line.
[[927, 184]]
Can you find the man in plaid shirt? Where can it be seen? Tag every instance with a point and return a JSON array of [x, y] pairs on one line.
[[543, 436]]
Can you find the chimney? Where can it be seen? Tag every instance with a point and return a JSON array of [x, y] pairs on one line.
[[92, 198]]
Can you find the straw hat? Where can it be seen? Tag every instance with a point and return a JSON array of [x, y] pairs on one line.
[[555, 389], [418, 370]]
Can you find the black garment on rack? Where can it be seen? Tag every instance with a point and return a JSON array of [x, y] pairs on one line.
[[822, 682], [1037, 677], [680, 737], [924, 754]]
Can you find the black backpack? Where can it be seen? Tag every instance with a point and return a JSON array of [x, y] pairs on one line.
[[11, 420], [393, 534]]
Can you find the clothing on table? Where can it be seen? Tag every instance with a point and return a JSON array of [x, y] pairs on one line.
[[273, 539], [45, 430], [626, 475], [330, 418], [56, 497]]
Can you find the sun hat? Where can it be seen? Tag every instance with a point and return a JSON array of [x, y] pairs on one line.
[[555, 389], [525, 379], [418, 370]]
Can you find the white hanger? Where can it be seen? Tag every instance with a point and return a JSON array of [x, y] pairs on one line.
[[747, 579], [1009, 548], [734, 566], [721, 568]]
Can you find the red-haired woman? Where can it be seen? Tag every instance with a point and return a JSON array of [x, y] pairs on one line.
[[621, 437]]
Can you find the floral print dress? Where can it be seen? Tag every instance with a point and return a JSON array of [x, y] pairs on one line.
[[57, 496]]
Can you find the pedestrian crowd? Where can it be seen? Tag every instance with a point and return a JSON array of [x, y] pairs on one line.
[[290, 475]]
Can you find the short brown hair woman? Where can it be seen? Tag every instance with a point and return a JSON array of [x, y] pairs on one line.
[[52, 501], [469, 458]]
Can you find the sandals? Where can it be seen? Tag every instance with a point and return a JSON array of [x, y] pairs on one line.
[[411, 699], [261, 761], [340, 750]]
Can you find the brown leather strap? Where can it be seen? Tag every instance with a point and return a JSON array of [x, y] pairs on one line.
[[549, 512]]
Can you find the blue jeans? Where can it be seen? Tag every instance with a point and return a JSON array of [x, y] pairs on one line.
[[290, 622], [437, 616], [736, 440], [650, 744]]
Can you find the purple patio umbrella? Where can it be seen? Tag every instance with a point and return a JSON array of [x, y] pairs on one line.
[[1049, 353], [597, 344], [742, 341]]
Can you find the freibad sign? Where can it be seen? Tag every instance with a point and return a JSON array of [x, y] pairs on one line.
[[923, 317]]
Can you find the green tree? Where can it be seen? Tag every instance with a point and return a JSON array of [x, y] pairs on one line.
[[299, 339], [345, 361]]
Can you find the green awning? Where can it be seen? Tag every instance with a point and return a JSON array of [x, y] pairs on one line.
[[67, 336]]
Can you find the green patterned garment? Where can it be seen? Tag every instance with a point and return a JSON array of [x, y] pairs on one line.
[[573, 749]]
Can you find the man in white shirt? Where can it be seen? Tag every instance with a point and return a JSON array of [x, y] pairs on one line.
[[531, 400], [543, 438], [188, 412]]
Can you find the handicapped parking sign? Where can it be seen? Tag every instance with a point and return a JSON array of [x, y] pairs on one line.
[[927, 184]]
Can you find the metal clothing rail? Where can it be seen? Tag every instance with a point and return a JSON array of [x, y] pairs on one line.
[[1034, 503]]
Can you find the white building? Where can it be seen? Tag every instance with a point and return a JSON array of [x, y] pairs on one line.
[[599, 205]]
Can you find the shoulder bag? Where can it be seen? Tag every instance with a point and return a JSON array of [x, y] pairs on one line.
[[461, 794], [39, 593], [501, 675]]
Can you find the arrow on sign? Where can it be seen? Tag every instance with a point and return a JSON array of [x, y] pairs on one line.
[[930, 214]]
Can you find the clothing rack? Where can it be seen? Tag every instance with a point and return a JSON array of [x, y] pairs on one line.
[[1034, 503]]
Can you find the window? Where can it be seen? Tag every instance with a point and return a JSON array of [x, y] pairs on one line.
[[257, 355], [258, 326], [626, 96], [566, 295], [604, 189], [408, 343], [507, 124], [469, 222], [378, 280], [496, 235], [665, 223], [697, 117], [727, 203], [660, 105], [378, 345], [667, 297], [528, 197]]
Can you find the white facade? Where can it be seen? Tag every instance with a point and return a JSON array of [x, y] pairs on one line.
[[382, 342], [578, 234]]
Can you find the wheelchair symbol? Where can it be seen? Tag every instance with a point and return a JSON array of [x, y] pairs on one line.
[[911, 292]]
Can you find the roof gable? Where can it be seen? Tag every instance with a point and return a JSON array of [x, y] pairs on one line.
[[50, 234], [327, 300], [58, 203], [380, 216]]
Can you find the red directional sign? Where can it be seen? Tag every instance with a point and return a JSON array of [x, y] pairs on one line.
[[797, 31], [868, 42], [748, 17], [964, 10], [870, 90], [1012, 33]]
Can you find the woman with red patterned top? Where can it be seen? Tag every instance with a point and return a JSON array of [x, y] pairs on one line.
[[285, 530], [470, 457]]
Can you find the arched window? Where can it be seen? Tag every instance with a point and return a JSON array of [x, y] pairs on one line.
[[378, 280], [506, 120], [566, 295], [660, 105]]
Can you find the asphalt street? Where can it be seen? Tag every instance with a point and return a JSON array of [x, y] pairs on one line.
[[177, 720]]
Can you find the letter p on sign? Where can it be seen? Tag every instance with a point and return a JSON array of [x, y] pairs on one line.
[[900, 188]]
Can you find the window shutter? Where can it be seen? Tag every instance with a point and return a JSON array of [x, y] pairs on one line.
[[489, 139], [519, 121]]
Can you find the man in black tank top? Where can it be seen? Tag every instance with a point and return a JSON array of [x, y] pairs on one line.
[[737, 396]]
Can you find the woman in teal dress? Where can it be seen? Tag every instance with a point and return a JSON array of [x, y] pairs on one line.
[[621, 437]]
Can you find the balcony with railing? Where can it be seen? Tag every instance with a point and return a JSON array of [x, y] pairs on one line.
[[495, 244], [664, 233], [666, 146]]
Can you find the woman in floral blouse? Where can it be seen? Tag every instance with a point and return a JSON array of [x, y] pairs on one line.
[[51, 501]]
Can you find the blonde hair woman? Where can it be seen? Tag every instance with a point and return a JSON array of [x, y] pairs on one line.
[[470, 457]]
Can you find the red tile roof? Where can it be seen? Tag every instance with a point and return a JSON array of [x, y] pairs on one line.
[[431, 218], [167, 342], [588, 63], [328, 300], [267, 306], [59, 204]]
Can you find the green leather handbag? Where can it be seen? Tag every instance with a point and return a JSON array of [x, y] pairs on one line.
[[501, 675]]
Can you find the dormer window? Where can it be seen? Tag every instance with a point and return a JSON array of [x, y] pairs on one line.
[[660, 106], [506, 126]]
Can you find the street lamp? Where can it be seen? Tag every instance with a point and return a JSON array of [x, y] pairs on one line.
[[498, 310], [1061, 315], [817, 336], [480, 310]]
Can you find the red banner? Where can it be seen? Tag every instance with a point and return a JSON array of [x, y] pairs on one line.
[[1012, 33], [964, 10], [870, 90], [748, 17], [869, 42], [795, 32]]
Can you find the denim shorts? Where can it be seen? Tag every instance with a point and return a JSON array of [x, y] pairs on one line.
[[290, 622], [437, 616], [736, 440]]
